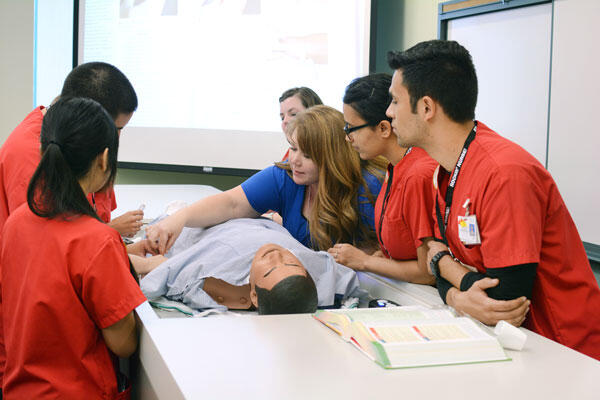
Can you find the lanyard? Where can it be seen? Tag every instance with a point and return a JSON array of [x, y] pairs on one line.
[[386, 197], [384, 205], [443, 224]]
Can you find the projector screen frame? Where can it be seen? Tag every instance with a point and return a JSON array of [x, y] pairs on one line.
[[206, 169]]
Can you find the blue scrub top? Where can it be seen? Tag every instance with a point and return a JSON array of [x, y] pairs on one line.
[[273, 189]]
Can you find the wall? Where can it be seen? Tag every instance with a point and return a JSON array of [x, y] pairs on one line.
[[16, 63], [419, 21], [401, 24]]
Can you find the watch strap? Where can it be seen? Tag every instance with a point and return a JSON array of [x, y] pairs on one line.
[[435, 260]]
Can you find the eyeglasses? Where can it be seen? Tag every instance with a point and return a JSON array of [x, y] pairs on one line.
[[349, 130]]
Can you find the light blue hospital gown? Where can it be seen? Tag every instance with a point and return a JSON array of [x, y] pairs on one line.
[[226, 251]]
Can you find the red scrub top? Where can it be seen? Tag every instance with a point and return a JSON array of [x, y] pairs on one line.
[[19, 157], [62, 282], [523, 219], [407, 219], [104, 203]]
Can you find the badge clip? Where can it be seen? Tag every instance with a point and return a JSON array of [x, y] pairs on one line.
[[466, 207]]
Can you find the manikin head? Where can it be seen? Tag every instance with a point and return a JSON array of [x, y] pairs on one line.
[[279, 283]]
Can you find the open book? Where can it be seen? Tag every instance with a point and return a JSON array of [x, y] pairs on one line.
[[413, 336]]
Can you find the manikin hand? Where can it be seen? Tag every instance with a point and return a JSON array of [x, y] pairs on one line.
[[348, 255], [129, 223], [476, 303]]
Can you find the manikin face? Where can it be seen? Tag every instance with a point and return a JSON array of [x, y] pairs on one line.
[[272, 264], [288, 109], [364, 140], [407, 126], [304, 169]]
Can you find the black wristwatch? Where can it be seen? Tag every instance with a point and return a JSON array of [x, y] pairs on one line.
[[434, 263]]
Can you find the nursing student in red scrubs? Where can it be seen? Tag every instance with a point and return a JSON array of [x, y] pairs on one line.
[[497, 209], [403, 219], [20, 153], [67, 294]]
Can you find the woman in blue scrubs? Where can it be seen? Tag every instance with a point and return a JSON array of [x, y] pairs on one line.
[[324, 194]]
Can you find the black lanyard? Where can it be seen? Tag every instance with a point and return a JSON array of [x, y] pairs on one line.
[[442, 224], [386, 199]]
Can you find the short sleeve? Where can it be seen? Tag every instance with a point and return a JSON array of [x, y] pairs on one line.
[[109, 291], [263, 189], [417, 206], [17, 194], [512, 207], [365, 205], [105, 203]]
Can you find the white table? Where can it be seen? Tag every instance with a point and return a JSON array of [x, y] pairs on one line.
[[295, 357]]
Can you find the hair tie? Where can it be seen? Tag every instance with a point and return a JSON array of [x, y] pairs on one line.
[[56, 143]]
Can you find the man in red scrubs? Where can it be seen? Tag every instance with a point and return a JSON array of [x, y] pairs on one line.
[[20, 153], [507, 246]]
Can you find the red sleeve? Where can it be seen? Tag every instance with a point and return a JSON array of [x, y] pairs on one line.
[[513, 206], [417, 208], [109, 291], [17, 194], [113, 199], [105, 202]]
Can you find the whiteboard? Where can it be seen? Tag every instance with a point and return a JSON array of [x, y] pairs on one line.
[[574, 147], [511, 53]]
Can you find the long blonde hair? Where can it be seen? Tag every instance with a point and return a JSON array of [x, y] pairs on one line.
[[334, 217]]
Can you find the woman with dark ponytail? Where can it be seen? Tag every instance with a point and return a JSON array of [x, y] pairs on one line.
[[67, 293], [56, 186], [403, 211]]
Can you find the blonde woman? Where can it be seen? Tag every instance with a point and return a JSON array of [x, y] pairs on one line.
[[324, 194]]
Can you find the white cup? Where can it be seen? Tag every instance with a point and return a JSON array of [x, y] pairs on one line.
[[509, 336]]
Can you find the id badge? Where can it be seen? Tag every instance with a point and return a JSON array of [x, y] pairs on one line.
[[468, 231]]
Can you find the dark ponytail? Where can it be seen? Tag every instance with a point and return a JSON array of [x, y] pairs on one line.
[[75, 131], [369, 97]]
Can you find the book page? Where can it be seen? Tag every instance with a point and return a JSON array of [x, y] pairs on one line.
[[417, 333], [391, 332], [406, 313]]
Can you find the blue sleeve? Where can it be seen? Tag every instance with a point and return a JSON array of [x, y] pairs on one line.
[[365, 207], [263, 189]]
